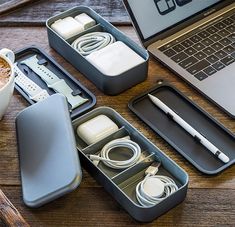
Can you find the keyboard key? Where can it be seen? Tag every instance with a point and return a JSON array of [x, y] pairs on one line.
[[233, 55], [195, 39], [169, 53], [231, 28], [224, 33], [188, 62], [209, 71], [199, 46], [220, 54], [231, 37], [179, 57], [178, 48], [217, 46], [225, 41], [215, 37], [203, 34], [228, 21], [198, 67], [212, 59], [233, 17], [218, 66], [229, 49], [211, 30], [228, 60], [165, 47], [220, 25], [201, 76], [207, 42], [187, 43], [209, 51], [200, 55], [190, 51]]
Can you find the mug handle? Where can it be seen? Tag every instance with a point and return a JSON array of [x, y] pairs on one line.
[[9, 54]]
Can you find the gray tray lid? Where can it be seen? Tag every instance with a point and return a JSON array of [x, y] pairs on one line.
[[49, 161]]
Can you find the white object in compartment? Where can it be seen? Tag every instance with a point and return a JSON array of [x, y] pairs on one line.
[[67, 27], [85, 20], [96, 129], [115, 59]]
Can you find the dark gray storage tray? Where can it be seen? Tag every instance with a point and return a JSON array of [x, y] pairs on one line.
[[121, 184], [110, 85], [177, 137], [60, 72]]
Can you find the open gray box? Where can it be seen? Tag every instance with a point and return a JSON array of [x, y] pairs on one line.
[[177, 137], [121, 183], [50, 168], [110, 85]]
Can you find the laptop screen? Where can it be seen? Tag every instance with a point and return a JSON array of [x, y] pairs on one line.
[[154, 16]]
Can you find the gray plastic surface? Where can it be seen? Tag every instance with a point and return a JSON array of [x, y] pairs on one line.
[[49, 161], [121, 183], [53, 66], [110, 85], [182, 141]]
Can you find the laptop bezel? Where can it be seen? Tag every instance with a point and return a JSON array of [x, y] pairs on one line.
[[176, 27]]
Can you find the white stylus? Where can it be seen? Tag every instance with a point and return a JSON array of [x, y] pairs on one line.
[[213, 149]]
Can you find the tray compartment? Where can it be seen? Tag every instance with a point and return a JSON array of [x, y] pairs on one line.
[[114, 183], [182, 141], [60, 72], [128, 180], [110, 85], [123, 153]]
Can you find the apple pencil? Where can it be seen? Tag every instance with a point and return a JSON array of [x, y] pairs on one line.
[[213, 149]]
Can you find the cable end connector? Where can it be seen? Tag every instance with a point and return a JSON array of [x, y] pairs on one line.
[[95, 159], [153, 169]]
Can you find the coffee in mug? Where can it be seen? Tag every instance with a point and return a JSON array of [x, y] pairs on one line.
[[5, 72], [7, 78]]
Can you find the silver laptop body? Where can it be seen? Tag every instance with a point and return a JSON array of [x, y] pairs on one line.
[[213, 75]]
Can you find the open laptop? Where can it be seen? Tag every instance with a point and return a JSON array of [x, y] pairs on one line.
[[195, 39]]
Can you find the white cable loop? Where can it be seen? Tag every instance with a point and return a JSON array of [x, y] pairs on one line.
[[115, 164], [147, 200], [91, 42]]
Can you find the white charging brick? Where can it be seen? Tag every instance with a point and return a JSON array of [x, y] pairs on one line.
[[67, 27], [85, 20], [115, 59]]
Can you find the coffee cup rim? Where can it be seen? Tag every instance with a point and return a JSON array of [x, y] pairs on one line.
[[12, 76]]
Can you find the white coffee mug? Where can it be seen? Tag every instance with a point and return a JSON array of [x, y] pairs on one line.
[[6, 91]]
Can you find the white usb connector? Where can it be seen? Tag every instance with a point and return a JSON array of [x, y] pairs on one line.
[[153, 169]]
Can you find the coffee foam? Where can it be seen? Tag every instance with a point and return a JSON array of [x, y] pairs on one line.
[[5, 72]]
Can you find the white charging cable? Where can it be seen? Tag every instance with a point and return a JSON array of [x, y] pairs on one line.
[[154, 188], [117, 143], [93, 41]]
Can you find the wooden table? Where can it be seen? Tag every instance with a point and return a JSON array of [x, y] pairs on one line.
[[210, 200]]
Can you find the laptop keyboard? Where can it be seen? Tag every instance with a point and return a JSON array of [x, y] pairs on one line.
[[203, 52]]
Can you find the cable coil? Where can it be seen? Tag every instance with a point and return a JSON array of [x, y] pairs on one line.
[[92, 42], [148, 200], [114, 164]]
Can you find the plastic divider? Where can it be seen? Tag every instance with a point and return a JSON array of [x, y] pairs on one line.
[[95, 28], [94, 148]]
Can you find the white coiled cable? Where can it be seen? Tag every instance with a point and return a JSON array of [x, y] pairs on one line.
[[153, 189], [93, 41], [117, 143]]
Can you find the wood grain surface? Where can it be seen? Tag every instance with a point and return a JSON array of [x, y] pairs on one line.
[[33, 14], [210, 200], [9, 214], [13, 5]]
